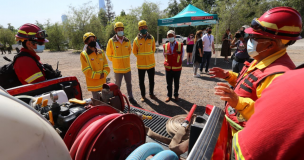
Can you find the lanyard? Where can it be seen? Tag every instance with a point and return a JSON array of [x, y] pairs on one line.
[[209, 39]]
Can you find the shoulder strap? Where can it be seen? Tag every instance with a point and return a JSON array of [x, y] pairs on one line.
[[21, 54]]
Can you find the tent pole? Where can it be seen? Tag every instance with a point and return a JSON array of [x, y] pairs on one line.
[[157, 35], [216, 42]]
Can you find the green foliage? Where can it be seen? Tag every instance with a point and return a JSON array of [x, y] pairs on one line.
[[7, 36], [57, 41], [39, 25], [102, 16]]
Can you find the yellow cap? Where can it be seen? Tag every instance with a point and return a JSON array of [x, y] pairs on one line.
[[87, 35], [142, 23], [118, 24], [39, 100], [44, 103]]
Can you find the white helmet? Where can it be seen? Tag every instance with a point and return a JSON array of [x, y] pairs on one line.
[[25, 134]]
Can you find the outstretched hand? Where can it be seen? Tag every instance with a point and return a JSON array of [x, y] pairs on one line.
[[226, 94], [218, 73]]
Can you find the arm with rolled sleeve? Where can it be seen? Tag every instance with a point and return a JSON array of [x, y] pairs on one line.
[[87, 69]]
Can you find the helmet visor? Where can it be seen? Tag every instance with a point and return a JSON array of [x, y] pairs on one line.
[[257, 26], [41, 34]]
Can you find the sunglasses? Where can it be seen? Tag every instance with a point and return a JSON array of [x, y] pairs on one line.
[[36, 42], [257, 26]]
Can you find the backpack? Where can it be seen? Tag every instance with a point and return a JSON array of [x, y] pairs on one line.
[[8, 76]]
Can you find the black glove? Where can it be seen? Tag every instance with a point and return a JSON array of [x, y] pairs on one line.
[[50, 72]]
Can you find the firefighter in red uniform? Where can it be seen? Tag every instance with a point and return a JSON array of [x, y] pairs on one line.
[[275, 130], [270, 35], [173, 52], [27, 64]]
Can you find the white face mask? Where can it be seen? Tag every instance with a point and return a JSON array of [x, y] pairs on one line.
[[171, 39], [251, 48]]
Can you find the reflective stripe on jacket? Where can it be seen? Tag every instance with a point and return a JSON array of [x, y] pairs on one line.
[[119, 54], [93, 65], [144, 50], [173, 61]]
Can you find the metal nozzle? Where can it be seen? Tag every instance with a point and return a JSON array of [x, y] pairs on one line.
[[54, 96]]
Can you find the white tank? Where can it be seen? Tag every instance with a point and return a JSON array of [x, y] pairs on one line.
[[26, 135]]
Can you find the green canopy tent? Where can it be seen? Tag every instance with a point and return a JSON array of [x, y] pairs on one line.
[[189, 16]]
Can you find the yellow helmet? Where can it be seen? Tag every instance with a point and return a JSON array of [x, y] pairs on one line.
[[87, 35], [118, 24], [142, 23]]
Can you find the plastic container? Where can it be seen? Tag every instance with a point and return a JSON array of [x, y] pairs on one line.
[[62, 97]]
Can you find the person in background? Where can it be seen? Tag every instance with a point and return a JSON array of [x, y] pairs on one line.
[[240, 55], [268, 49], [226, 50], [94, 65], [173, 53], [119, 51], [190, 43], [197, 52], [208, 45], [144, 49]]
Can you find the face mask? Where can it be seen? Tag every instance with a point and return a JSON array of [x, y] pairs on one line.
[[39, 49], [143, 31], [251, 48], [120, 33], [191, 36], [209, 32], [246, 35], [171, 39], [92, 44], [205, 32]]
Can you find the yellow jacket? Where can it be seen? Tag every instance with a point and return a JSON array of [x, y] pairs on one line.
[[119, 54], [246, 105], [93, 65], [144, 50]]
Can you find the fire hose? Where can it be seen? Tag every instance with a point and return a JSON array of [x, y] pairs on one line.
[[103, 133]]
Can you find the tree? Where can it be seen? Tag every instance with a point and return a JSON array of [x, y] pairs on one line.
[[39, 25], [102, 16], [57, 40], [122, 13], [10, 27], [77, 24], [109, 10], [7, 36], [172, 9]]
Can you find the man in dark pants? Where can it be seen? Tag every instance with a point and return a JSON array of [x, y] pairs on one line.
[[208, 44], [144, 49], [173, 53]]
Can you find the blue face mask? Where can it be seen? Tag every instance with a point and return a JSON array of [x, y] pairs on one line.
[[171, 39], [120, 33], [246, 35], [39, 49], [143, 31]]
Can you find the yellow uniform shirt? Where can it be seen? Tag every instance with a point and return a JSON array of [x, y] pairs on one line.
[[93, 65], [119, 54], [144, 49]]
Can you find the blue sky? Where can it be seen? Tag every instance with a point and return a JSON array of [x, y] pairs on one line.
[[19, 12]]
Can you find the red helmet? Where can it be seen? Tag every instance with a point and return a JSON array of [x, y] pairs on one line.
[[278, 23], [31, 32]]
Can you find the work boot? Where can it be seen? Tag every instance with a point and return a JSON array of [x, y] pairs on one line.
[[176, 99], [152, 96], [132, 100], [168, 99], [143, 99]]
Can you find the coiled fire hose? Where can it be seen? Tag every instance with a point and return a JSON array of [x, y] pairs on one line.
[[102, 132], [177, 127]]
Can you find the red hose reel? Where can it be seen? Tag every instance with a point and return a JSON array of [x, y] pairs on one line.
[[103, 133]]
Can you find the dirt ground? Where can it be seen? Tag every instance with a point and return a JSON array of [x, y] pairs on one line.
[[192, 90]]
